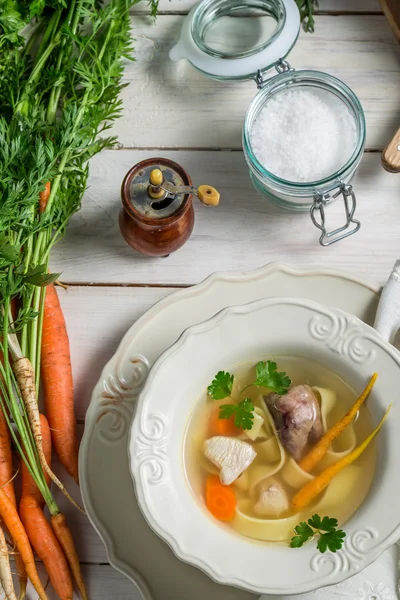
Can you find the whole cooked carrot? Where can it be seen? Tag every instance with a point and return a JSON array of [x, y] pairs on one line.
[[57, 383], [14, 525], [317, 453], [39, 530], [60, 527], [319, 483]]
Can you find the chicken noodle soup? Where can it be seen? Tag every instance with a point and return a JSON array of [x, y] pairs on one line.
[[257, 460]]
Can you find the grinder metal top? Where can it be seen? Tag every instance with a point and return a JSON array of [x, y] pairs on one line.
[[165, 205]]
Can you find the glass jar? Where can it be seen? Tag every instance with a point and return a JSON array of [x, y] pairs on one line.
[[239, 39], [311, 196]]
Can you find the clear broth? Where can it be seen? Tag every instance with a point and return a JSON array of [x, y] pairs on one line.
[[300, 371]]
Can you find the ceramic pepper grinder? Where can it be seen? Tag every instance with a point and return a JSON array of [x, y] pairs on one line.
[[157, 215]]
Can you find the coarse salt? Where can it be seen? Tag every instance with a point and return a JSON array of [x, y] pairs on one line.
[[303, 135]]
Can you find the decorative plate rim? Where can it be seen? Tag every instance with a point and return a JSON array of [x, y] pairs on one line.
[[334, 577]]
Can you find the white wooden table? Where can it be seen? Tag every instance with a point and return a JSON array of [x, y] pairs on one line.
[[173, 111]]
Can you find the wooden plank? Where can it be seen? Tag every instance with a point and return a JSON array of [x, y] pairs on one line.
[[171, 105], [103, 583], [349, 6], [392, 11], [243, 233], [334, 6], [97, 318], [174, 94]]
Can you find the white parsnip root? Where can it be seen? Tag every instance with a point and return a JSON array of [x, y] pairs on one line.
[[25, 377], [5, 569]]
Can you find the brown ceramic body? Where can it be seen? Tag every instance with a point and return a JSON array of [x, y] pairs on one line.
[[155, 237]]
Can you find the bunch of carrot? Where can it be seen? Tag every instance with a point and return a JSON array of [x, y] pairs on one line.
[[60, 80], [27, 525]]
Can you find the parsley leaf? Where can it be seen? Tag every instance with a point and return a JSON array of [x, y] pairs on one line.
[[330, 538], [304, 532], [333, 540], [269, 377], [221, 385], [244, 413], [325, 524]]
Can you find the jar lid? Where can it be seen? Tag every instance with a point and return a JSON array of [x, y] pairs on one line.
[[234, 39]]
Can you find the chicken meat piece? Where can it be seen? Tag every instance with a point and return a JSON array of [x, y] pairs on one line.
[[230, 455], [273, 501], [297, 418]]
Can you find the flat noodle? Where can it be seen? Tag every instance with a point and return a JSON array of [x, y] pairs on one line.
[[207, 465], [267, 530], [243, 481], [270, 450], [293, 475]]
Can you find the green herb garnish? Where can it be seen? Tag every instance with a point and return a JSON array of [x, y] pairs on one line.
[[221, 386], [269, 377], [330, 538], [244, 413]]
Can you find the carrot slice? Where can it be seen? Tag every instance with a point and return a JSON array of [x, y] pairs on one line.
[[220, 499], [317, 485], [225, 427], [317, 453]]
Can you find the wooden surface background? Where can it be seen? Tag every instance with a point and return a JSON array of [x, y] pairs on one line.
[[171, 110]]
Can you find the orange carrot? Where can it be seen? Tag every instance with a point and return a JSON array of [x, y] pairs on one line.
[[58, 390], [7, 483], [317, 453], [14, 525], [43, 197], [29, 487], [46, 546], [319, 483], [226, 427], [220, 499], [6, 460], [39, 530], [60, 528]]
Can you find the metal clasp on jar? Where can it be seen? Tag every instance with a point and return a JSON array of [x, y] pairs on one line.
[[282, 66], [320, 201]]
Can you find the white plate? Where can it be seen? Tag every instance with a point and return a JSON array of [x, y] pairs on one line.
[[132, 547], [246, 334]]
